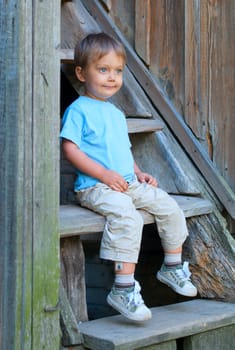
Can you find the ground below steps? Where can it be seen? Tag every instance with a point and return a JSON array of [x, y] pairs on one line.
[[197, 324]]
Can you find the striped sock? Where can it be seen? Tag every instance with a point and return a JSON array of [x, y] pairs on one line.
[[124, 281], [172, 260]]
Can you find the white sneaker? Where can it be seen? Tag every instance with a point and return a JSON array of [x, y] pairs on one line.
[[178, 279], [129, 303]]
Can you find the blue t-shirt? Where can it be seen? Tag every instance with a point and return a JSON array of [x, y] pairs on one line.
[[99, 129]]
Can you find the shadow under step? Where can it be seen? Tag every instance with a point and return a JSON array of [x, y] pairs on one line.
[[197, 324], [75, 220]]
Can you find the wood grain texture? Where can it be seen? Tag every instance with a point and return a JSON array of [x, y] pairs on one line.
[[142, 29], [122, 12], [29, 124], [212, 259], [167, 49], [45, 168], [73, 276], [68, 322]]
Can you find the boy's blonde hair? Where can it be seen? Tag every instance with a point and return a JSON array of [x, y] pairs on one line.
[[95, 46]]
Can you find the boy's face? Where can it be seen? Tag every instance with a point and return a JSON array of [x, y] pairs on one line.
[[103, 77]]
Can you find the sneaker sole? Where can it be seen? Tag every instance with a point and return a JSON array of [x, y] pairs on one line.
[[175, 288], [128, 315]]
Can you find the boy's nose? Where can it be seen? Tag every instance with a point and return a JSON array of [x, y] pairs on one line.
[[111, 75]]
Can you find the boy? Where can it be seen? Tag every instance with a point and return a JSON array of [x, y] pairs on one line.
[[95, 140]]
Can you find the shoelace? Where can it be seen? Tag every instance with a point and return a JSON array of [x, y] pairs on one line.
[[136, 296], [184, 273]]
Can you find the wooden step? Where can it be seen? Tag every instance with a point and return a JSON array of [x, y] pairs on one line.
[[75, 220], [200, 324], [137, 125], [67, 55]]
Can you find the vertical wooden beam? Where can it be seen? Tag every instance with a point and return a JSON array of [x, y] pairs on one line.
[[196, 72], [72, 276], [29, 174], [167, 48], [142, 29], [209, 83]]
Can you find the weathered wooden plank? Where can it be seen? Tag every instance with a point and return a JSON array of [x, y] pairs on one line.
[[29, 115], [168, 323], [73, 274], [167, 48], [172, 117], [209, 61], [221, 62], [67, 55], [75, 220], [210, 249], [193, 206], [45, 169], [158, 154], [137, 125], [68, 322], [222, 339], [122, 12], [75, 24], [196, 77], [142, 29], [12, 185]]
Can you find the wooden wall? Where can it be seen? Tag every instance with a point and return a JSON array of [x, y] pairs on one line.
[[29, 174], [189, 47]]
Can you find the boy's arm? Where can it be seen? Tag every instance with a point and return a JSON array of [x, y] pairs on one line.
[[144, 177], [88, 166]]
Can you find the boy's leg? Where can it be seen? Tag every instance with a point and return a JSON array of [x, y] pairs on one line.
[[123, 229], [172, 230], [124, 274], [120, 243], [173, 258]]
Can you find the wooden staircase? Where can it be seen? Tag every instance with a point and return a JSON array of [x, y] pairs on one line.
[[187, 326]]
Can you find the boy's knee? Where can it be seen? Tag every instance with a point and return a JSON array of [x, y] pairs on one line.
[[132, 220], [174, 209]]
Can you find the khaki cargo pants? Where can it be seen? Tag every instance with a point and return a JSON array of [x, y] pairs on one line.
[[123, 230]]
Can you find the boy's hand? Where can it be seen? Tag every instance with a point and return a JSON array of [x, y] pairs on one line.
[[115, 181], [144, 177]]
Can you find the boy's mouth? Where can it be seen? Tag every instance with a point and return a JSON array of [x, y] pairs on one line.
[[110, 86]]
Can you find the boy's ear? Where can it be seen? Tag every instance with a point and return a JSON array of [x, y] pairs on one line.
[[79, 74]]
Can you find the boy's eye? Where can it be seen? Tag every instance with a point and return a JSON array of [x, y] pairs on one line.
[[103, 70], [106, 70], [119, 71]]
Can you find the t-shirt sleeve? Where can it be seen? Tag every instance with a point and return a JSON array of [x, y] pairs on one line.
[[72, 124]]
